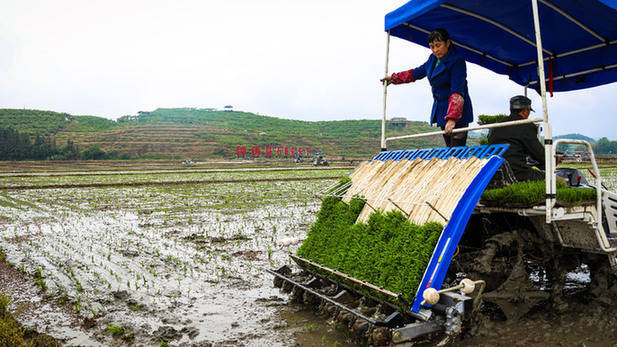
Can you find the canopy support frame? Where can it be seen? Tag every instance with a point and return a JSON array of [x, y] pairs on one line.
[[580, 73], [549, 171], [385, 95]]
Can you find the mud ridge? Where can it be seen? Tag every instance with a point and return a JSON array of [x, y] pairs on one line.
[[153, 183]]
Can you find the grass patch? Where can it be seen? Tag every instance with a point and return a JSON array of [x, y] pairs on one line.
[[14, 334], [388, 251], [486, 119], [524, 194]]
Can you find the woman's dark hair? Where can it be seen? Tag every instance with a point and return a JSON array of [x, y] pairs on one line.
[[438, 35]]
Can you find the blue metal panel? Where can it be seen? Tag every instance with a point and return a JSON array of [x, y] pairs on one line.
[[398, 155], [453, 152], [422, 153], [390, 155], [476, 151], [444, 153], [408, 153], [437, 153], [497, 149], [379, 156], [451, 235]]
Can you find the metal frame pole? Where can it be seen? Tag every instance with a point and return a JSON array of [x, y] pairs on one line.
[[548, 131], [385, 95]]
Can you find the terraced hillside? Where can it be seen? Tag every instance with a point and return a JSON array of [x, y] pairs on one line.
[[181, 133]]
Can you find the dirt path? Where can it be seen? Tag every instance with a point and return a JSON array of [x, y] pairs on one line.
[[163, 172]]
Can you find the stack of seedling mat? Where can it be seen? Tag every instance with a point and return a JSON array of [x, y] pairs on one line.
[[527, 194], [396, 222]]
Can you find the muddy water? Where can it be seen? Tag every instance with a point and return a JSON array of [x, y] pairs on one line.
[[180, 264], [583, 324]]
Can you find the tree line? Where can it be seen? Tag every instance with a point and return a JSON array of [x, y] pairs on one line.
[[604, 146], [15, 145]]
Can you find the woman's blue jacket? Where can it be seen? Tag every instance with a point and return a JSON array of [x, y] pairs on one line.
[[450, 76]]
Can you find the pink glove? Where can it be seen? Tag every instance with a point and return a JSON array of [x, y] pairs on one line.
[[455, 107], [402, 77]]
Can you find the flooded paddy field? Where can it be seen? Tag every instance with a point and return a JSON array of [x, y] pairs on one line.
[[157, 263], [140, 265], [608, 174]]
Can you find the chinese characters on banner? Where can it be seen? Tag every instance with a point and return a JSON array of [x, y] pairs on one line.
[[271, 151]]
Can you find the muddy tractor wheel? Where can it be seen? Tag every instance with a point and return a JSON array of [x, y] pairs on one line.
[[493, 262], [603, 284], [505, 262]]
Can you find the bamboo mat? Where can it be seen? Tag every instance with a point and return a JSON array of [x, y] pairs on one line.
[[407, 186]]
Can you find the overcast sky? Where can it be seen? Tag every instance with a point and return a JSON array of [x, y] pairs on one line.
[[310, 60]]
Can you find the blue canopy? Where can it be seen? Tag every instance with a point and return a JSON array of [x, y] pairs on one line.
[[579, 37]]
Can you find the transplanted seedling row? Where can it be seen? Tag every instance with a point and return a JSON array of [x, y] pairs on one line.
[[122, 252], [388, 251]]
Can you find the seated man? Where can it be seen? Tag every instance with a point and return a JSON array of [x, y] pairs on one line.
[[523, 141]]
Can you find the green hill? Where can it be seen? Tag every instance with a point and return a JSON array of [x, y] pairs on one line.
[[179, 133], [574, 147], [575, 137]]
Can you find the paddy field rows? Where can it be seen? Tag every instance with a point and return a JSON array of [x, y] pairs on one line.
[[177, 263]]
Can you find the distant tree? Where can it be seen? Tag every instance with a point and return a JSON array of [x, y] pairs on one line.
[[70, 151], [39, 150], [605, 146], [93, 152]]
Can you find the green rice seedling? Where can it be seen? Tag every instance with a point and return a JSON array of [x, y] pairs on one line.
[[114, 330], [63, 298], [525, 194], [77, 305], [387, 251], [41, 282]]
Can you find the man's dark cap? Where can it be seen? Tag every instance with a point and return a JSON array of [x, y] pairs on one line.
[[520, 102]]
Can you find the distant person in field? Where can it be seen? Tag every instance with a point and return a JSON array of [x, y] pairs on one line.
[[447, 74], [523, 141]]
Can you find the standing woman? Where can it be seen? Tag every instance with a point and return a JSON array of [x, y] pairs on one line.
[[447, 74]]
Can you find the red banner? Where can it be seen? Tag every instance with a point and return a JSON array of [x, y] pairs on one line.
[[280, 151]]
